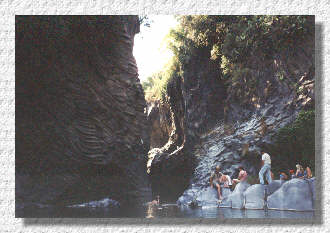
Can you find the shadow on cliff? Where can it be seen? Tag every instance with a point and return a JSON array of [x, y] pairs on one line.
[[319, 47]]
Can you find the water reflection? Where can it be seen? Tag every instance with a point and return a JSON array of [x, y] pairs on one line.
[[155, 211], [221, 213]]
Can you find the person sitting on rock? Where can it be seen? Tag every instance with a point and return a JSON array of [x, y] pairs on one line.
[[215, 181], [308, 173], [299, 172], [283, 176], [242, 176], [265, 169], [303, 174], [226, 181], [292, 174]]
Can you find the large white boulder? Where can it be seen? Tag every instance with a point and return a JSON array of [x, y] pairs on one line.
[[295, 194], [254, 197], [236, 198]]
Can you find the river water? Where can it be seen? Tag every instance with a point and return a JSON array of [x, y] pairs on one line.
[[163, 211]]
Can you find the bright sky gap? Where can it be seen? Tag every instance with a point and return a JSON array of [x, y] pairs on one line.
[[150, 50]]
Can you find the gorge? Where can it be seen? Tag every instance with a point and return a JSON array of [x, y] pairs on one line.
[[85, 130]]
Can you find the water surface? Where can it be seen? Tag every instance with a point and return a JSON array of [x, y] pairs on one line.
[[164, 211]]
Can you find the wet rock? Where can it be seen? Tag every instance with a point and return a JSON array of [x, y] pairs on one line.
[[254, 197], [236, 198], [188, 198], [294, 194], [208, 197], [106, 202]]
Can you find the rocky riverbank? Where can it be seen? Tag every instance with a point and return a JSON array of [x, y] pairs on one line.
[[213, 125], [295, 195]]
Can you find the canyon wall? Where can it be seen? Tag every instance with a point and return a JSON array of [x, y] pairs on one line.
[[195, 102], [214, 125], [81, 125]]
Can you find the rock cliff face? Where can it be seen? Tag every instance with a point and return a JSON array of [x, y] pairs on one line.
[[195, 103], [223, 130], [159, 118], [81, 130]]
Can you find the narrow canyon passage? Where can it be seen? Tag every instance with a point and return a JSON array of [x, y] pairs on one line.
[[91, 133]]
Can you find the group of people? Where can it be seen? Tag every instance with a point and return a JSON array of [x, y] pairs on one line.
[[300, 173], [219, 180]]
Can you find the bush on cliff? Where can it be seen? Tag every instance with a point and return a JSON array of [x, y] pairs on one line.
[[232, 41], [295, 144]]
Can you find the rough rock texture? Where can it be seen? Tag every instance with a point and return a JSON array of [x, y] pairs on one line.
[[190, 99], [295, 194], [159, 118], [248, 126], [81, 130], [205, 197]]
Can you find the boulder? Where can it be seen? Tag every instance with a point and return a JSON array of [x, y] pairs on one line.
[[106, 202], [208, 197], [311, 183], [273, 186], [295, 195], [236, 198], [187, 199], [254, 197]]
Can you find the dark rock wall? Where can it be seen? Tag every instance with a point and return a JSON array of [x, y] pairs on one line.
[[280, 76], [195, 103], [81, 130], [160, 121]]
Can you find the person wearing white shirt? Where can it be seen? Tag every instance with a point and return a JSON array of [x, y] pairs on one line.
[[266, 165]]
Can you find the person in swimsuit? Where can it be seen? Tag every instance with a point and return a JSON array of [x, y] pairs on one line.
[[299, 172], [226, 181], [242, 176], [308, 173], [215, 181]]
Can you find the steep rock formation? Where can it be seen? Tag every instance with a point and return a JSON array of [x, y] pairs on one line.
[[159, 119], [217, 126], [195, 103], [81, 130], [249, 124]]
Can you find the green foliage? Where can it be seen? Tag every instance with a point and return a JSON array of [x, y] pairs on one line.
[[295, 144], [280, 75], [258, 38], [155, 87], [233, 41]]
